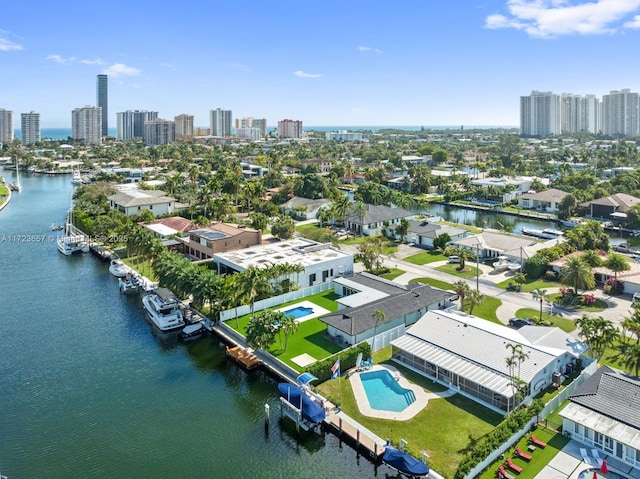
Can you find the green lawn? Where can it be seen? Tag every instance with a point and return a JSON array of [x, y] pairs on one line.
[[436, 283], [141, 266], [567, 325], [471, 229], [392, 274], [541, 457], [426, 257], [608, 359], [596, 307], [445, 429], [487, 309], [468, 272], [310, 337], [529, 285]]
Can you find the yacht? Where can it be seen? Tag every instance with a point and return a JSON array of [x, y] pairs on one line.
[[69, 245], [130, 284], [77, 178], [163, 309], [118, 268]]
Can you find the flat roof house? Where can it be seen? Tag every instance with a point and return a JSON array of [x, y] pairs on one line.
[[203, 243], [321, 262], [604, 413], [470, 354], [133, 201]]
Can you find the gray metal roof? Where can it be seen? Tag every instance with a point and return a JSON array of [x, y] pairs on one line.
[[378, 214], [433, 230], [611, 393], [359, 319]]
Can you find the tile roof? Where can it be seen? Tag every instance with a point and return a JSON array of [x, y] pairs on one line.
[[620, 202], [433, 230], [177, 223], [611, 393], [378, 214], [551, 195]]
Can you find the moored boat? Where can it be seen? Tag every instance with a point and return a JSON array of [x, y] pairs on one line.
[[311, 411], [163, 309], [130, 284], [404, 463], [192, 331], [118, 268], [69, 245], [77, 178]]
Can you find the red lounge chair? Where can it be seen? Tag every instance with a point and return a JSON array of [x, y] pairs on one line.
[[523, 455], [538, 442], [514, 467], [502, 474]]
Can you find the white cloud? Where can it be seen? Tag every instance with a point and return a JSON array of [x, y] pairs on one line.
[[369, 50], [554, 18], [301, 74], [120, 70], [239, 66], [635, 23], [97, 61], [7, 45], [60, 59]]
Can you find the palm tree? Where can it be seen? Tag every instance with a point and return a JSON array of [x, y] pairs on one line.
[[616, 263], [598, 333], [289, 326], [577, 273], [360, 210], [514, 362], [629, 355], [475, 297], [253, 281], [379, 316], [592, 258], [462, 290], [540, 295]]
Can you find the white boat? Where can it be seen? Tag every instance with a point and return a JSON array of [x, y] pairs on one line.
[[163, 309], [77, 178], [131, 283], [192, 331], [118, 268], [69, 245], [514, 267], [502, 264]]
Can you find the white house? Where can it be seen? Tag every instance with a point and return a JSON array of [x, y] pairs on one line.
[[321, 262], [547, 200], [518, 185], [470, 354], [374, 218], [492, 244], [133, 201], [304, 208], [422, 233]]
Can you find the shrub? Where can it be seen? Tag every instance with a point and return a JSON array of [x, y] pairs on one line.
[[535, 267], [588, 299], [322, 369], [611, 286]]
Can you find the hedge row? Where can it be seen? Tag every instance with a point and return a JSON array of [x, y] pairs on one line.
[[348, 357], [492, 441]]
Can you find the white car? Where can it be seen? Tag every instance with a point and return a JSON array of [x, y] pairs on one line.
[[454, 259]]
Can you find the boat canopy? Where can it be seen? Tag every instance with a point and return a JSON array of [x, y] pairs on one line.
[[404, 463], [311, 411], [305, 378]]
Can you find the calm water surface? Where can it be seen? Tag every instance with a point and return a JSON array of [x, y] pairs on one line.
[[89, 391]]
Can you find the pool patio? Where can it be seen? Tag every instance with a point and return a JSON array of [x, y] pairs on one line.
[[422, 398], [317, 310]]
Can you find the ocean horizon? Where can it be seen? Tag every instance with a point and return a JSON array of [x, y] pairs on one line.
[[64, 133]]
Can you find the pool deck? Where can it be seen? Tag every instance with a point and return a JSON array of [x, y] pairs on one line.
[[422, 397], [317, 310]]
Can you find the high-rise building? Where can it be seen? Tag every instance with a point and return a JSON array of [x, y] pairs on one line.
[[159, 132], [290, 129], [102, 100], [589, 114], [250, 122], [131, 123], [6, 126], [247, 132], [621, 113], [184, 126], [220, 122], [86, 124], [30, 127], [201, 131], [540, 114]]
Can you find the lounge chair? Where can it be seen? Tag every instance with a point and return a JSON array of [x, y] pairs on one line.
[[538, 442], [514, 467], [585, 455], [596, 456], [523, 455], [502, 474]]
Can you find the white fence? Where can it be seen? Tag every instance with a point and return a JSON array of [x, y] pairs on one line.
[[276, 300], [384, 338], [546, 411]]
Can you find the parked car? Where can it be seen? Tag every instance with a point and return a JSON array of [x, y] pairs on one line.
[[636, 297], [624, 248], [519, 322], [454, 259]]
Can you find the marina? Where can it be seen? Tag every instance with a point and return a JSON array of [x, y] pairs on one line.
[[109, 387]]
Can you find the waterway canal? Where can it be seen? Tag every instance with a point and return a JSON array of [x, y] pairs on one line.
[[88, 391]]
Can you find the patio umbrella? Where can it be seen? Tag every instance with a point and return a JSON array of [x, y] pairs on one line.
[[604, 469], [595, 474]]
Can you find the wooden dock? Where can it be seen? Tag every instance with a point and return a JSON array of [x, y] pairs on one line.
[[362, 438], [100, 251], [243, 357]]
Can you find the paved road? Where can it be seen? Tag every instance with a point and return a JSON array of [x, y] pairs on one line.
[[619, 307]]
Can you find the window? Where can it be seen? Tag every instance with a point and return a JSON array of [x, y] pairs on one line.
[[608, 444]]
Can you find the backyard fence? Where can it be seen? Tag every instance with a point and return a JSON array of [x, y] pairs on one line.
[[551, 406], [384, 338], [276, 300]]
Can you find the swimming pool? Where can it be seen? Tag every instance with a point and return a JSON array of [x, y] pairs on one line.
[[298, 312], [588, 474], [384, 393]]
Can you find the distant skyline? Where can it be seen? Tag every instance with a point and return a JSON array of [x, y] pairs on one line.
[[334, 63]]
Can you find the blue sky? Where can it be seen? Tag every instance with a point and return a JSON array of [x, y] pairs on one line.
[[417, 62]]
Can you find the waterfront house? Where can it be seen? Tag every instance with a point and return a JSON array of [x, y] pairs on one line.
[[304, 208], [510, 187], [492, 244], [374, 218], [604, 414], [131, 201], [165, 228], [203, 243], [470, 354], [422, 233], [362, 294], [320, 262], [547, 200], [605, 208]]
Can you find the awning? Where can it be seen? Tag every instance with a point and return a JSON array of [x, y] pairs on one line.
[[305, 378], [618, 215]]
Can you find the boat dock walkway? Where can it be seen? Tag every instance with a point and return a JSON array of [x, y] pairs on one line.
[[343, 425]]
